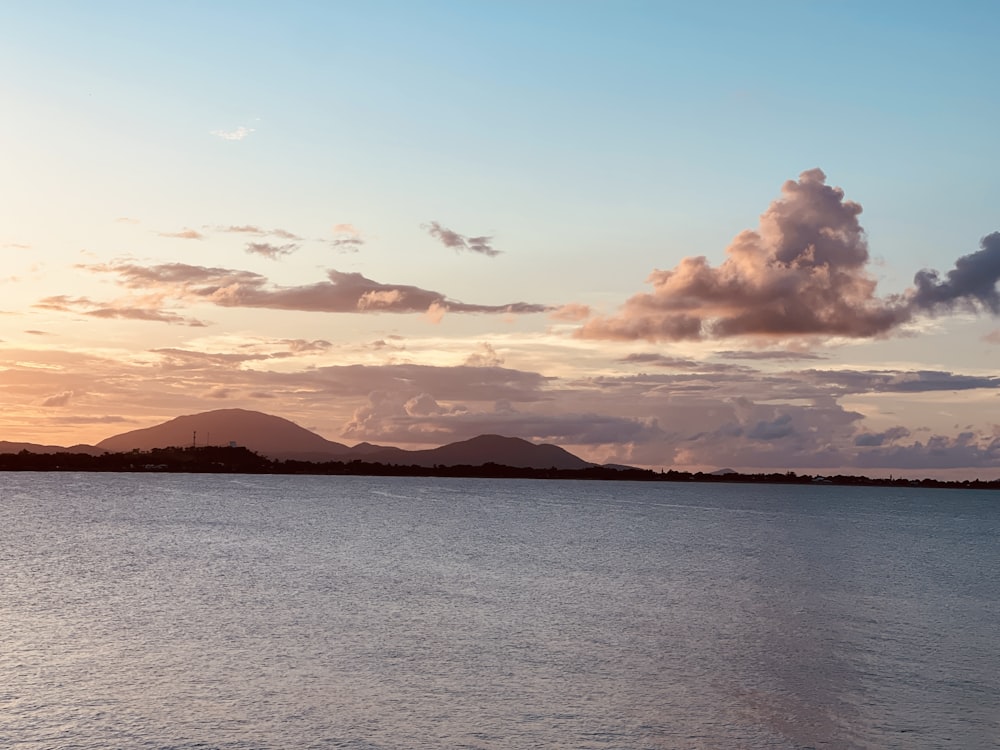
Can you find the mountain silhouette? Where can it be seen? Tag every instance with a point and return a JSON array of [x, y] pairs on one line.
[[274, 437], [277, 438], [505, 451], [281, 439], [8, 447]]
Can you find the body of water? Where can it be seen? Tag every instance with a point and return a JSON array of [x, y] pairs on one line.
[[189, 612]]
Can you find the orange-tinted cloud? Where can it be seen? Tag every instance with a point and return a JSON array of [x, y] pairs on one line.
[[58, 399], [802, 273], [185, 234]]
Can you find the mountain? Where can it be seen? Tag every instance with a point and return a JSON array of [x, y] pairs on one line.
[[506, 451], [282, 439], [268, 435], [8, 447]]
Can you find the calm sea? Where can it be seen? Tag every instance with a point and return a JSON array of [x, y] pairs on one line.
[[189, 612]]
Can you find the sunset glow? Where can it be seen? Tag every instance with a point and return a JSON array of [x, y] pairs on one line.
[[759, 237]]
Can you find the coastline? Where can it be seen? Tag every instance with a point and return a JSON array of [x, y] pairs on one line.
[[235, 460]]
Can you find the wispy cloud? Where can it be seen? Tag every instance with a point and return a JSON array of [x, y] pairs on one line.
[[347, 238], [184, 234], [233, 135], [270, 250], [459, 242], [282, 234], [341, 293], [86, 306]]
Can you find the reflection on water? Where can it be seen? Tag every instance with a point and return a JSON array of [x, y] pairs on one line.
[[162, 611]]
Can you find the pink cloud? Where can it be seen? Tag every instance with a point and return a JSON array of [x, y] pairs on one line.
[[343, 292], [572, 312], [804, 272]]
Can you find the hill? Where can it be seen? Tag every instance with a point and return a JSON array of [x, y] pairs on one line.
[[266, 434], [280, 439], [505, 451], [8, 447]]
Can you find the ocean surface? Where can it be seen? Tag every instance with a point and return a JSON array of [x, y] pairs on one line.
[[190, 612]]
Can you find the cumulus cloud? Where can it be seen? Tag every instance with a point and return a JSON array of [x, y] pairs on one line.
[[971, 283], [343, 292], [421, 418], [965, 450], [233, 135], [459, 242], [875, 439], [802, 273], [485, 356]]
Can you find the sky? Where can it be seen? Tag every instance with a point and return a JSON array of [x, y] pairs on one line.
[[672, 235]]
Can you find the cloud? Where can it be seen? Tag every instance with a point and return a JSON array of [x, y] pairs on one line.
[[421, 418], [779, 427], [965, 450], [777, 354], [679, 363], [233, 135], [271, 251], [870, 439], [993, 337], [106, 419], [58, 399], [85, 306], [897, 381], [185, 234], [486, 356], [572, 312], [347, 238], [802, 273], [459, 242], [971, 283], [283, 234], [342, 293]]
